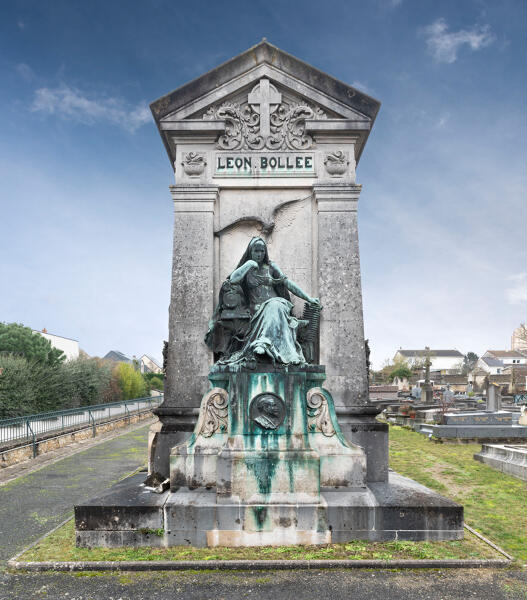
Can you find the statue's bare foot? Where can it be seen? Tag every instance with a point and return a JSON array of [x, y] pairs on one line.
[[259, 350]]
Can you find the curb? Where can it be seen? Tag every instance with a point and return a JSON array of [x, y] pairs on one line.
[[251, 565]]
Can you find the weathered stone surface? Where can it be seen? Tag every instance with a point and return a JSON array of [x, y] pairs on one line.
[[397, 509], [219, 208], [507, 458], [479, 418]]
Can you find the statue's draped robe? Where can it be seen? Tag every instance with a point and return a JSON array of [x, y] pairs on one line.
[[272, 327]]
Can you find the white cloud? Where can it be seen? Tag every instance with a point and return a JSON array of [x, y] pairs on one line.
[[25, 71], [517, 293], [21, 25], [442, 121], [444, 46], [70, 103]]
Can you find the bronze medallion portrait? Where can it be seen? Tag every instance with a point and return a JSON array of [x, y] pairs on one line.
[[267, 411]]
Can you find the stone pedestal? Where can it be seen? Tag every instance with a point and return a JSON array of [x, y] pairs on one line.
[[268, 444], [427, 393], [268, 464], [360, 426]]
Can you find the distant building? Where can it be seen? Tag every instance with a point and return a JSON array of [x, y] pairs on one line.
[[442, 360], [116, 356], [149, 365], [508, 357], [490, 365], [69, 346]]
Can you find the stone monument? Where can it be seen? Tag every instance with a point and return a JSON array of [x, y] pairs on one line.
[[427, 389], [266, 434]]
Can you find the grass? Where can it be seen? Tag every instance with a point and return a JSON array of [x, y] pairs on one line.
[[60, 546], [495, 503]]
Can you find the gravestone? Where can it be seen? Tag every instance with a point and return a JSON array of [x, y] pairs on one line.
[[427, 389], [266, 433], [493, 398]]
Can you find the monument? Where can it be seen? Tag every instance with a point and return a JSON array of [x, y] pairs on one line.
[[266, 435]]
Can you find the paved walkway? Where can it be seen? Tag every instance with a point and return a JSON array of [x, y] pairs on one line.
[[35, 503], [25, 467]]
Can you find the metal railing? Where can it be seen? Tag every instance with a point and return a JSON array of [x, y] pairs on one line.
[[30, 428]]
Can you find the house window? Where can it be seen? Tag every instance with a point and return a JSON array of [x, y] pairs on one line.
[[498, 371]]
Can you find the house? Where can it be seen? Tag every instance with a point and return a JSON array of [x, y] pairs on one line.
[[69, 346], [149, 365], [442, 360], [490, 365], [508, 357], [116, 356]]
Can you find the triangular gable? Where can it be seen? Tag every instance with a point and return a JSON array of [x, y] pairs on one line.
[[199, 105]]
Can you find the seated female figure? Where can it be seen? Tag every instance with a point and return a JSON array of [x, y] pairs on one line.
[[271, 331]]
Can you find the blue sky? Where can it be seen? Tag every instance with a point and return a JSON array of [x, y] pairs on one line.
[[85, 212]]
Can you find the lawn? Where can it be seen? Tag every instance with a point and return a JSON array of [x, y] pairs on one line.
[[60, 546], [495, 503]]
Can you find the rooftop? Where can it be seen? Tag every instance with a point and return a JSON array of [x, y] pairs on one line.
[[117, 356], [506, 353], [491, 361]]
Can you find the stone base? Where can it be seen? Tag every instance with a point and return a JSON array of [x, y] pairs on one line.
[[480, 433], [129, 514], [510, 459], [174, 426]]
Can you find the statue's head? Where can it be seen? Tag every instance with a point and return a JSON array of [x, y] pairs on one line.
[[258, 252]]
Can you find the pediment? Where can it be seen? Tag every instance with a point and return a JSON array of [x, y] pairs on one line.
[[261, 95]]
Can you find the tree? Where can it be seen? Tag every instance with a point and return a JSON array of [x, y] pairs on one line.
[[156, 383], [21, 341], [469, 362], [401, 372], [130, 381]]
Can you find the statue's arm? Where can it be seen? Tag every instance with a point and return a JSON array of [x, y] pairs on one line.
[[294, 288], [238, 274]]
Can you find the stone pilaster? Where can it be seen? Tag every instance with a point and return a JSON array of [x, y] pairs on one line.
[[339, 282], [191, 306], [191, 300]]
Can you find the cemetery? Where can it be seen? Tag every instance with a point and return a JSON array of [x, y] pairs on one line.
[[269, 444], [261, 335]]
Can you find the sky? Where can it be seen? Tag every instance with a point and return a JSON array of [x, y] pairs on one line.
[[86, 217]]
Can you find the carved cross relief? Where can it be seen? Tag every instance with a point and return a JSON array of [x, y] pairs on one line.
[[265, 121], [264, 99]]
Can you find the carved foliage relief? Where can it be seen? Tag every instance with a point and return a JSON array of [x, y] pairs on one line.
[[319, 419], [214, 413], [265, 121]]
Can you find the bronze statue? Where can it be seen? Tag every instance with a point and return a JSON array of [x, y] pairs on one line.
[[253, 318]]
